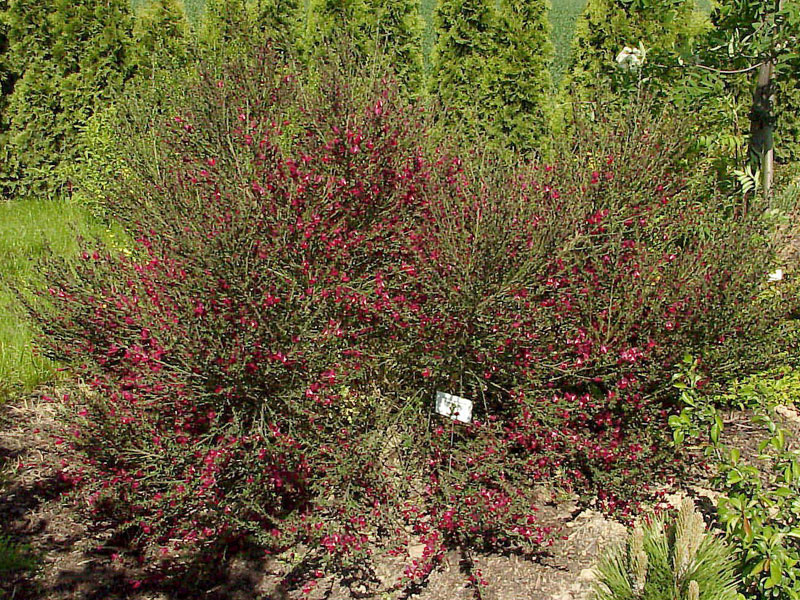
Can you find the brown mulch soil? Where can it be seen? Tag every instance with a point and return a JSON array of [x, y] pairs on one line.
[[79, 560]]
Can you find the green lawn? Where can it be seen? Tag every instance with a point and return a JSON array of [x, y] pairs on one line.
[[27, 229], [563, 15]]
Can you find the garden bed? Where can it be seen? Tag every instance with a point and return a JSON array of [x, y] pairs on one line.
[[79, 560]]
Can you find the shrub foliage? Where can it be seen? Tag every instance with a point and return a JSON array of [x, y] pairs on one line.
[[306, 269], [390, 29], [491, 70], [665, 28]]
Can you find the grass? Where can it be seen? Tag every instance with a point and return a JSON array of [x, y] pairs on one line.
[[28, 228], [14, 558], [563, 15]]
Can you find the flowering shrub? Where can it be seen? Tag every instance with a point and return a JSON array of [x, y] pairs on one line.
[[307, 269]]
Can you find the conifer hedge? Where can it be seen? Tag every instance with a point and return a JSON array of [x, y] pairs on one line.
[[390, 30], [71, 57], [459, 63], [226, 24], [519, 83], [6, 79], [491, 69], [162, 35]]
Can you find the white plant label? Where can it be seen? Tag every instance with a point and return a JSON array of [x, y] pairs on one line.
[[455, 407]]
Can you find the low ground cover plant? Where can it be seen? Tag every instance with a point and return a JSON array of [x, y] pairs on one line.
[[758, 507], [14, 557], [307, 267]]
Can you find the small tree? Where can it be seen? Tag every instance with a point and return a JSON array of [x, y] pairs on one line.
[[330, 21], [6, 75], [162, 35], [223, 23], [519, 83], [762, 37], [465, 41], [397, 26], [744, 70], [235, 25], [662, 27], [389, 30]]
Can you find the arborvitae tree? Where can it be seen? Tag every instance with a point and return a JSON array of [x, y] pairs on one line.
[[6, 75], [460, 63], [5, 67], [162, 36], [519, 82], [223, 24], [235, 25], [73, 56], [277, 19], [397, 27], [336, 21], [387, 30], [608, 26]]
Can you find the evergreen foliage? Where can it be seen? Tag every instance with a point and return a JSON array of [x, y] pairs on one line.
[[397, 26], [677, 559], [662, 27], [235, 25], [278, 19], [491, 68], [223, 23], [162, 36], [6, 75], [519, 84], [332, 21], [387, 30], [460, 58], [72, 56]]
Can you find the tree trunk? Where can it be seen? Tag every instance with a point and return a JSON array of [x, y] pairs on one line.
[[761, 123], [761, 150]]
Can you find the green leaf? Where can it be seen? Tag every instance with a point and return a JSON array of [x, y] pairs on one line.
[[775, 573], [734, 477], [715, 431]]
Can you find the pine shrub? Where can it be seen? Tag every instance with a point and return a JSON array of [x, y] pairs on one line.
[[387, 33], [678, 560]]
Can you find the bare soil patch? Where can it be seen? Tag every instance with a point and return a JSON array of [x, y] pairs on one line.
[[82, 561]]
